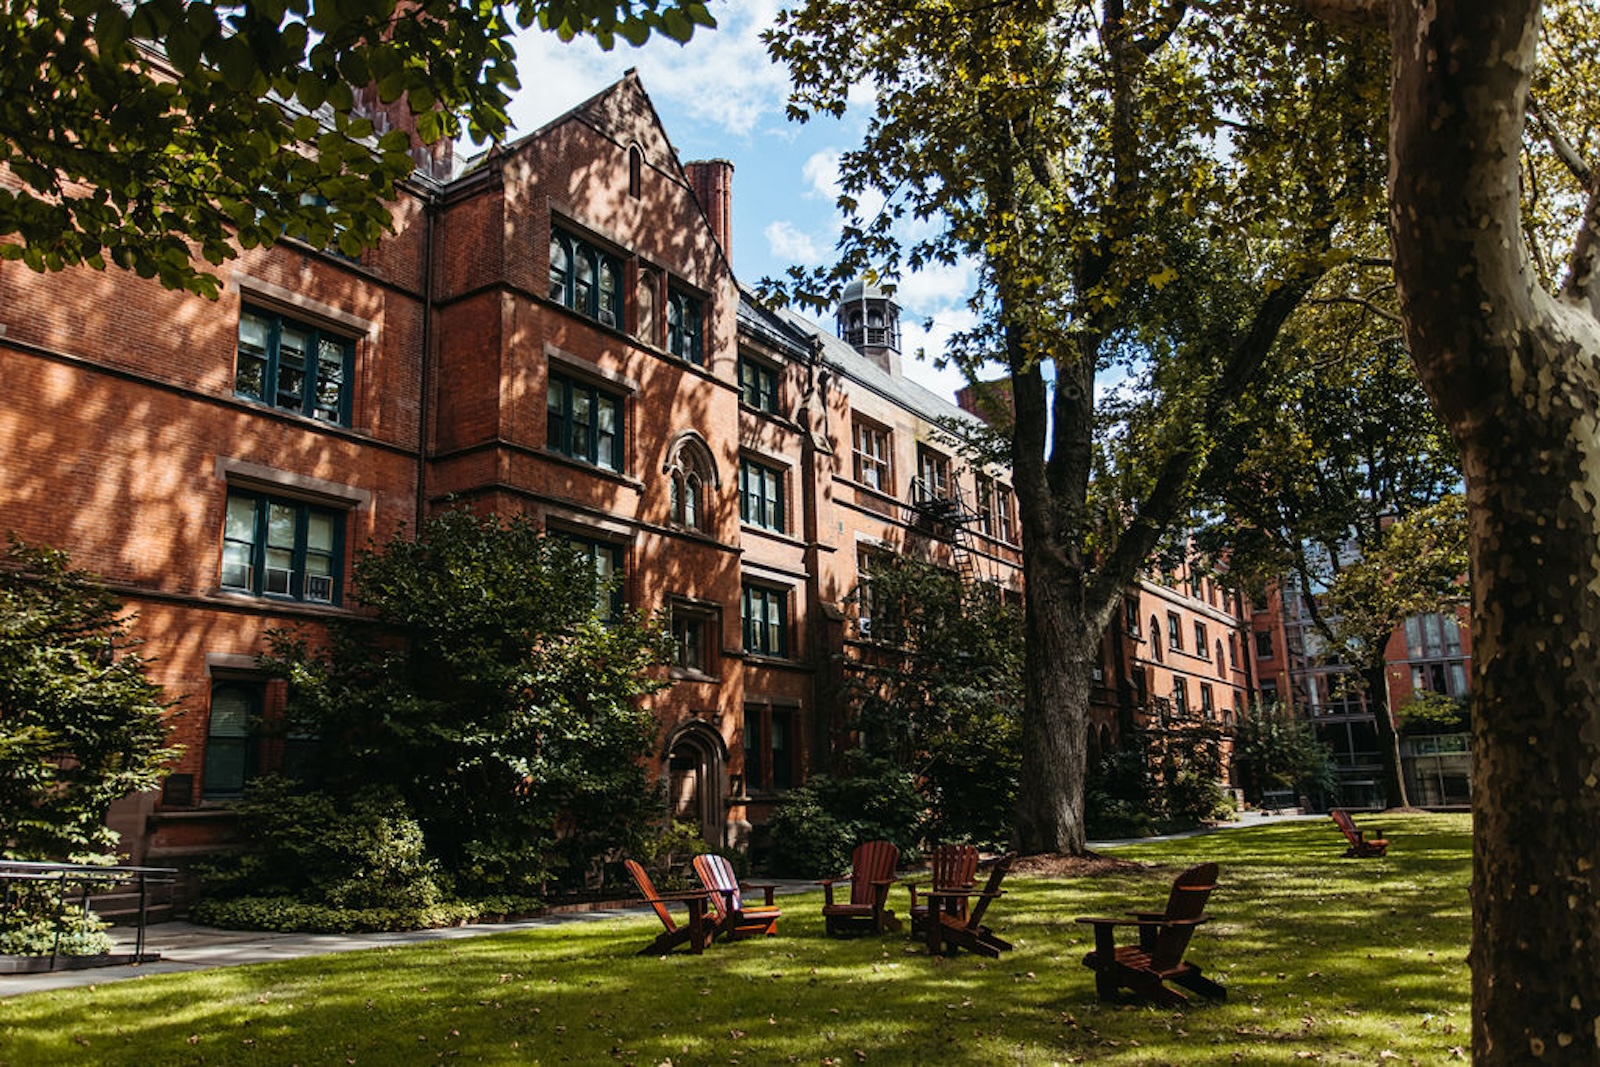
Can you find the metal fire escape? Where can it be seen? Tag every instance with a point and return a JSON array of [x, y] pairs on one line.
[[941, 513]]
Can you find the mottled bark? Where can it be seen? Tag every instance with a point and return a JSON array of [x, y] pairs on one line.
[[1515, 372], [1058, 661], [1376, 679]]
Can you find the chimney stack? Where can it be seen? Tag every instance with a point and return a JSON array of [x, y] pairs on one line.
[[712, 182], [436, 160]]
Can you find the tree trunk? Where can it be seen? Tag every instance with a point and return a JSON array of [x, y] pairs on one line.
[[1376, 676], [1057, 663], [1516, 374]]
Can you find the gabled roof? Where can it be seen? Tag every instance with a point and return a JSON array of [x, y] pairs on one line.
[[621, 112]]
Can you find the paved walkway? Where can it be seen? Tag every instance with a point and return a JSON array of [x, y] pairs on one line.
[[186, 947]]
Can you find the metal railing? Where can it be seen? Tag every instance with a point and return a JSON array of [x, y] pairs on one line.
[[82, 880]]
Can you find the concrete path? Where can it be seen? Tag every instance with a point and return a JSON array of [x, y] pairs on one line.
[[186, 947]]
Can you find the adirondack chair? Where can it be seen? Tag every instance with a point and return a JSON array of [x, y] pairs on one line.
[[958, 927], [1163, 940], [734, 918], [952, 867], [872, 867], [696, 932], [1361, 845]]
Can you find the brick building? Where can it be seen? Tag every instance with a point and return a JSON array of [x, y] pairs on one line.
[[1430, 653], [557, 332]]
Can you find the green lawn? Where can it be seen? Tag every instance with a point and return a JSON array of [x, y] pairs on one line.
[[1326, 960]]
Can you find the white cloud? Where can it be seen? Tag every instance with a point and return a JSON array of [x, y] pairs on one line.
[[937, 287], [789, 244], [821, 172], [722, 77]]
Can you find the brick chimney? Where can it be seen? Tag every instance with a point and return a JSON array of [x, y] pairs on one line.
[[990, 401], [712, 182], [436, 160]]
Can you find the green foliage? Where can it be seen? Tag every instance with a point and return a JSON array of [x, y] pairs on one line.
[[291, 914], [80, 725], [939, 695], [490, 699], [168, 167], [1158, 781], [1417, 564], [357, 852], [37, 919], [1428, 712], [1274, 749], [1115, 796], [1148, 189], [817, 826]]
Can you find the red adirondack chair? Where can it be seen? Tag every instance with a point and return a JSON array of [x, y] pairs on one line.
[[735, 918], [872, 866], [1361, 845], [1163, 940], [696, 932], [951, 867], [957, 927]]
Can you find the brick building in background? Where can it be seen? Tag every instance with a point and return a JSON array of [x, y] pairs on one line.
[[558, 332], [1429, 654]]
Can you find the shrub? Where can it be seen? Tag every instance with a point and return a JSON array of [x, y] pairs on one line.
[[32, 916], [363, 853], [819, 824]]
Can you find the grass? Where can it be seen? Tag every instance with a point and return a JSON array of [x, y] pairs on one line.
[[1326, 960]]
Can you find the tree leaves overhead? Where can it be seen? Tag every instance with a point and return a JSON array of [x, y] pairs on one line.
[[1142, 185], [149, 135]]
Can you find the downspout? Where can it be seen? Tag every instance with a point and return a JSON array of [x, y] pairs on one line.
[[425, 407]]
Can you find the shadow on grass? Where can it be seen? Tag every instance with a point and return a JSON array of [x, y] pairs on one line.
[[1326, 959]]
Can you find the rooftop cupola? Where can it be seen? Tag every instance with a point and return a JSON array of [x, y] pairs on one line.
[[869, 321]]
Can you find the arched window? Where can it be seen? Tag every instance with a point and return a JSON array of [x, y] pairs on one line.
[[635, 171], [585, 278], [1222, 665], [690, 473], [1155, 638]]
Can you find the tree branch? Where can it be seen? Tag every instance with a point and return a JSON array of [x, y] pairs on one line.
[[1348, 14], [1361, 302]]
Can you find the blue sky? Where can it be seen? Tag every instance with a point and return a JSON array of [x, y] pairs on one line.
[[720, 97]]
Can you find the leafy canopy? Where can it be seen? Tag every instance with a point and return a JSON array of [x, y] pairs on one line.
[[147, 135], [490, 696], [80, 724]]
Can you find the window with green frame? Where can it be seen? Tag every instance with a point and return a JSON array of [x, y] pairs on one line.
[[761, 495], [769, 749], [758, 385], [282, 548], [585, 423], [765, 614], [608, 565], [585, 278], [232, 752], [294, 366], [683, 327]]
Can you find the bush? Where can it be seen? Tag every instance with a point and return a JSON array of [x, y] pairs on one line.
[[31, 917], [819, 824], [358, 854]]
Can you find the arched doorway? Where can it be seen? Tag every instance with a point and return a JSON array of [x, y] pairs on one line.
[[696, 777]]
